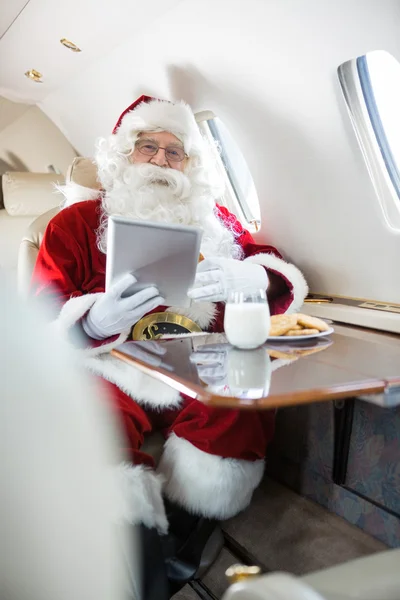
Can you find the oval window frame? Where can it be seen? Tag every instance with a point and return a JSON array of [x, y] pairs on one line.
[[234, 197], [361, 105]]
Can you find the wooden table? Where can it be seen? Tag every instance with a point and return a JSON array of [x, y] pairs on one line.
[[350, 362]]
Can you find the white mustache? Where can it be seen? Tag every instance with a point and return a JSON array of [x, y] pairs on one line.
[[146, 174]]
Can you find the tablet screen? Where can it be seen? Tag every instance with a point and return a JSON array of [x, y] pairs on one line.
[[163, 255]]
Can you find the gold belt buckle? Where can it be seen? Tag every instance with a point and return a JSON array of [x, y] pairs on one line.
[[155, 325]]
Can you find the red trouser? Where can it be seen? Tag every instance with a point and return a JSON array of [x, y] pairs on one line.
[[221, 432]]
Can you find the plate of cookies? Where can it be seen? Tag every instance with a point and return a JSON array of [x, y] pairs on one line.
[[297, 327]]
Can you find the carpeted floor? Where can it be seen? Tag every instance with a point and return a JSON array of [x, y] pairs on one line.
[[286, 532]]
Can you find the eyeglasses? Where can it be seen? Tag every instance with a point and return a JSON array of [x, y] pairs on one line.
[[172, 153]]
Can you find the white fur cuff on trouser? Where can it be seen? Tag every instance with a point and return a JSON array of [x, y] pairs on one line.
[[140, 498], [205, 484]]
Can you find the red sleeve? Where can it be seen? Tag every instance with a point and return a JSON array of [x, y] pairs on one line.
[[58, 272], [243, 236]]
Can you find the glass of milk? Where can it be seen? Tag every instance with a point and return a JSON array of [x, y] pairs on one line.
[[247, 319], [249, 372]]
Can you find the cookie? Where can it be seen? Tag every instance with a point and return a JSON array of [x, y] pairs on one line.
[[311, 351], [279, 354], [302, 332], [312, 322], [280, 324]]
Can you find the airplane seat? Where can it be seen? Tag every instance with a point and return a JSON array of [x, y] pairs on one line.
[[23, 197], [367, 578], [82, 172], [29, 249]]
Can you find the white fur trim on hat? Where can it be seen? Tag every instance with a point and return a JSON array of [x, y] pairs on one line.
[[215, 487], [140, 498], [290, 272], [160, 115]]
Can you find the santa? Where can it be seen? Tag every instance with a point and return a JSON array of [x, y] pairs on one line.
[[156, 167]]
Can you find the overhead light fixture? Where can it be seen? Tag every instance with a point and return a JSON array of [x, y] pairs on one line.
[[70, 45], [34, 75]]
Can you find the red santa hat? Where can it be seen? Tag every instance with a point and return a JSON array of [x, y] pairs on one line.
[[151, 114]]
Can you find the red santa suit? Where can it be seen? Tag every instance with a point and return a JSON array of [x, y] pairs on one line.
[[213, 458]]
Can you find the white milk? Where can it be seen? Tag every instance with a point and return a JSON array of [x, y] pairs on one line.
[[247, 324], [249, 369]]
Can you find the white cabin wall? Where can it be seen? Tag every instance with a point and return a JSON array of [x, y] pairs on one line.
[[268, 69], [30, 141]]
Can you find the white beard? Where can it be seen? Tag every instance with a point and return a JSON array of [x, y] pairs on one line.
[[151, 193]]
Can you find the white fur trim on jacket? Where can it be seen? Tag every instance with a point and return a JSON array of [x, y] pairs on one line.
[[140, 498], [202, 313], [290, 272], [205, 484], [71, 313], [74, 193], [142, 388], [139, 386]]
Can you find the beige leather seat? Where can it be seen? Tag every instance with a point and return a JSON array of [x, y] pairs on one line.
[[81, 172], [374, 577], [25, 197]]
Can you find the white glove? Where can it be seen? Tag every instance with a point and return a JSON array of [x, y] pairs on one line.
[[217, 277], [112, 314], [148, 352], [211, 363]]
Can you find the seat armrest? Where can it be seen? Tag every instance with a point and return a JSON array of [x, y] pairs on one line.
[[368, 578], [274, 586], [27, 255], [29, 249], [11, 231]]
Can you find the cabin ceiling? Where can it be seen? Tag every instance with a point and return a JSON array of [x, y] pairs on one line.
[[30, 34], [9, 11]]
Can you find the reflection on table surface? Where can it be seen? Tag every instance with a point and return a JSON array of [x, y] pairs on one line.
[[352, 361], [279, 373]]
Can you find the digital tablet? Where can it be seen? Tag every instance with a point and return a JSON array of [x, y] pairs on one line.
[[164, 255]]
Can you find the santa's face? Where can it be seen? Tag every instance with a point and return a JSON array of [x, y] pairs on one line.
[[158, 182], [162, 149], [149, 182]]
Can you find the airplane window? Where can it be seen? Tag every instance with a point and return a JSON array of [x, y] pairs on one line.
[[380, 81], [371, 86], [240, 196]]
